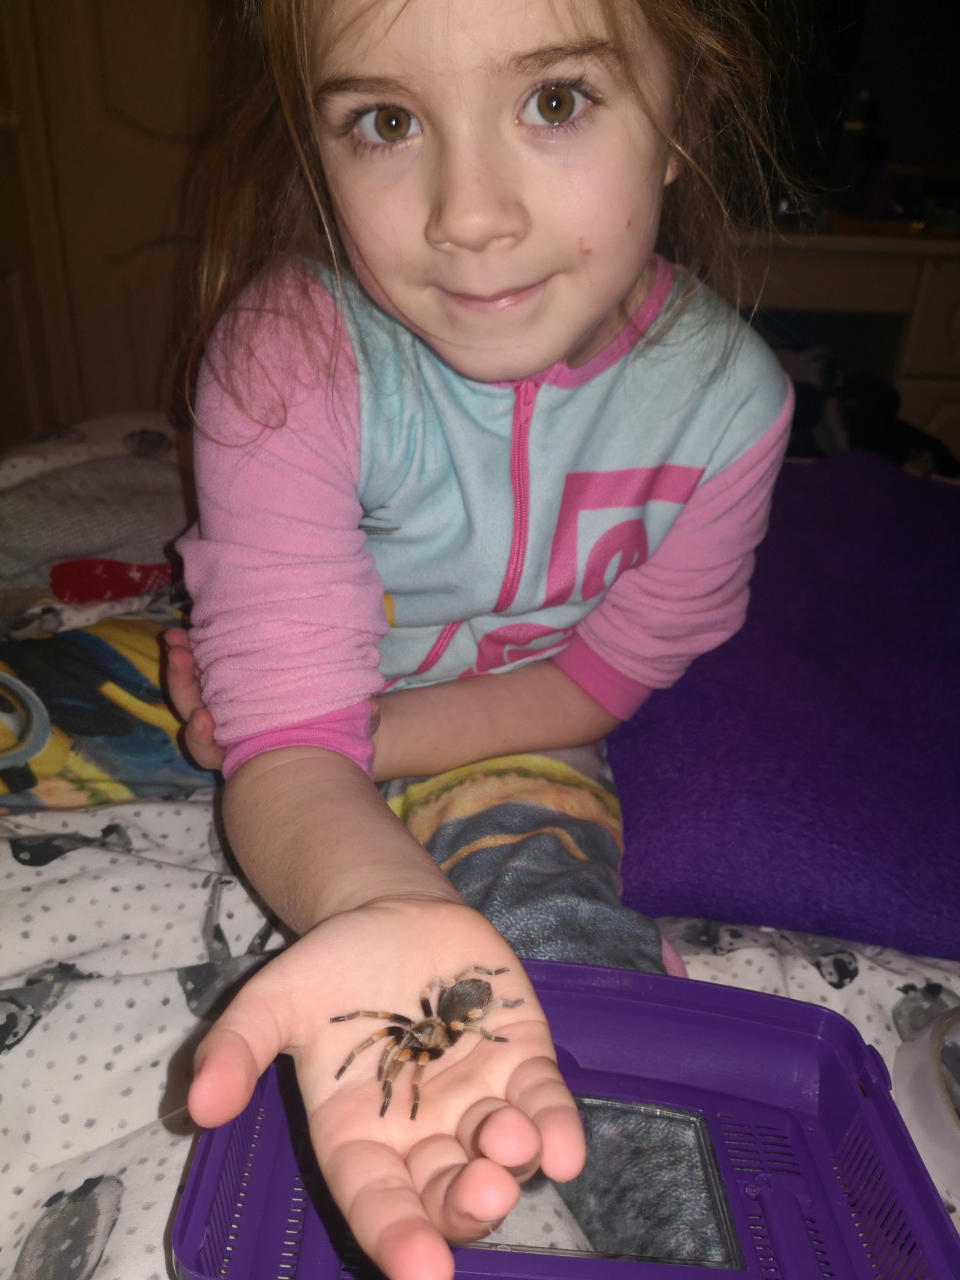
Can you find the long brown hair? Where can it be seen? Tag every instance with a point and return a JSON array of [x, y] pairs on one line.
[[264, 197], [721, 129]]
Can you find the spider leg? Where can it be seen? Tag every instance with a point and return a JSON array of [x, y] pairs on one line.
[[503, 1004], [479, 968], [444, 984], [471, 1021], [396, 1032], [387, 1050], [481, 1031], [422, 1060], [397, 1063], [447, 983], [374, 1013]]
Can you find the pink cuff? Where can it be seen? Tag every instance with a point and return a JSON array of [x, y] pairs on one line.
[[346, 731], [614, 691]]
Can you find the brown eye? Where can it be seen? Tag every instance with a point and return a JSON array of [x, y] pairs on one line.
[[381, 128], [556, 103], [392, 124]]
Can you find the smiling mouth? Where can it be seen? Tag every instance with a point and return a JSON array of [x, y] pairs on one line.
[[495, 302]]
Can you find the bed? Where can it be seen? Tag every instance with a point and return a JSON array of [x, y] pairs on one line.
[[792, 815]]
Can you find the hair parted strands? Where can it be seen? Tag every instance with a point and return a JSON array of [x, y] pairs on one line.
[[265, 200], [721, 127], [259, 195]]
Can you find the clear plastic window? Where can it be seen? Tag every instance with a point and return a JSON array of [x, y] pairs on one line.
[[651, 1191]]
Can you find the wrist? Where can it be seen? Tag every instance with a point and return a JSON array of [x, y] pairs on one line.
[[315, 838], [401, 894]]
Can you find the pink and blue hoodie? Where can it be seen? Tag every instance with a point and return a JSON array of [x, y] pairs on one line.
[[404, 525]]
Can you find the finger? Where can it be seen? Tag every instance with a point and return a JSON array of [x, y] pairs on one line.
[[502, 1133], [200, 728], [538, 1090], [182, 680], [373, 1187], [199, 740], [464, 1198], [183, 687], [183, 690]]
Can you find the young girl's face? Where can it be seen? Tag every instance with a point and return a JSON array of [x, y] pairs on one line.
[[496, 182]]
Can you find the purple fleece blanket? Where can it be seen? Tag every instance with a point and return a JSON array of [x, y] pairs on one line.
[[807, 774]]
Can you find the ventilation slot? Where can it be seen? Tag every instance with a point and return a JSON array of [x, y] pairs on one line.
[[820, 1250], [292, 1231], [763, 1245], [741, 1144], [227, 1211], [777, 1150], [890, 1244], [761, 1148], [761, 1154]]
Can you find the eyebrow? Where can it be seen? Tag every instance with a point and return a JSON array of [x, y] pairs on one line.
[[541, 59], [535, 60], [380, 86]]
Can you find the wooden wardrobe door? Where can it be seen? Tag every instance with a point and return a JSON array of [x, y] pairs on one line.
[[36, 390], [122, 87]]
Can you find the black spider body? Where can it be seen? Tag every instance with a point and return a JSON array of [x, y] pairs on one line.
[[461, 1006]]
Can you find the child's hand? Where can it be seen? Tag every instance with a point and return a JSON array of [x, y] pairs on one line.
[[183, 686], [489, 1113]]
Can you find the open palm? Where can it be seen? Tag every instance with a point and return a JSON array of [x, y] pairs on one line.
[[491, 1112]]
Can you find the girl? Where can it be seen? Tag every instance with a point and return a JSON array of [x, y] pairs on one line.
[[458, 419]]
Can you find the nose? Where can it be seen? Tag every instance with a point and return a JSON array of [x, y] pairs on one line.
[[476, 199]]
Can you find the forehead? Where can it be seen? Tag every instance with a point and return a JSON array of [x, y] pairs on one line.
[[464, 31]]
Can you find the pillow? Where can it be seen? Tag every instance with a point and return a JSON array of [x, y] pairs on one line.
[[806, 775]]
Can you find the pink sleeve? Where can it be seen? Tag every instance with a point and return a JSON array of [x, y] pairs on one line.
[[347, 732], [287, 606], [690, 596]]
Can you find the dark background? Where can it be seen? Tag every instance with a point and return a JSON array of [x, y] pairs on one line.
[[869, 99]]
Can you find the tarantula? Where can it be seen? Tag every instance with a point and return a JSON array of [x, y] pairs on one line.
[[461, 1006]]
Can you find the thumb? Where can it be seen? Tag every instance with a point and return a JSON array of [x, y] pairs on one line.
[[232, 1056], [225, 1073]]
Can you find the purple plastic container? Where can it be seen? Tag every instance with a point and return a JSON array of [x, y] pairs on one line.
[[806, 1164]]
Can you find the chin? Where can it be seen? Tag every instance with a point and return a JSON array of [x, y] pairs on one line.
[[492, 366]]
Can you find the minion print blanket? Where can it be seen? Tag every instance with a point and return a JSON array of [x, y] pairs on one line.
[[83, 720]]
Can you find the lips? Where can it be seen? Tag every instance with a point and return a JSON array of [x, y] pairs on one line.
[[495, 302]]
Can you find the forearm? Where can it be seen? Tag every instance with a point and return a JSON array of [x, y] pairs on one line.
[[314, 838], [438, 727]]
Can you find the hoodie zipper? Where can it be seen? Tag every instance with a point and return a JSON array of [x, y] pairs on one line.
[[525, 394]]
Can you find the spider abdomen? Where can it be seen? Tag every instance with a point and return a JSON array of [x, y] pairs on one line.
[[466, 1001]]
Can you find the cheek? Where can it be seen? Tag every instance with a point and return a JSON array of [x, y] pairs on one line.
[[617, 197], [370, 212], [620, 222], [372, 232]]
